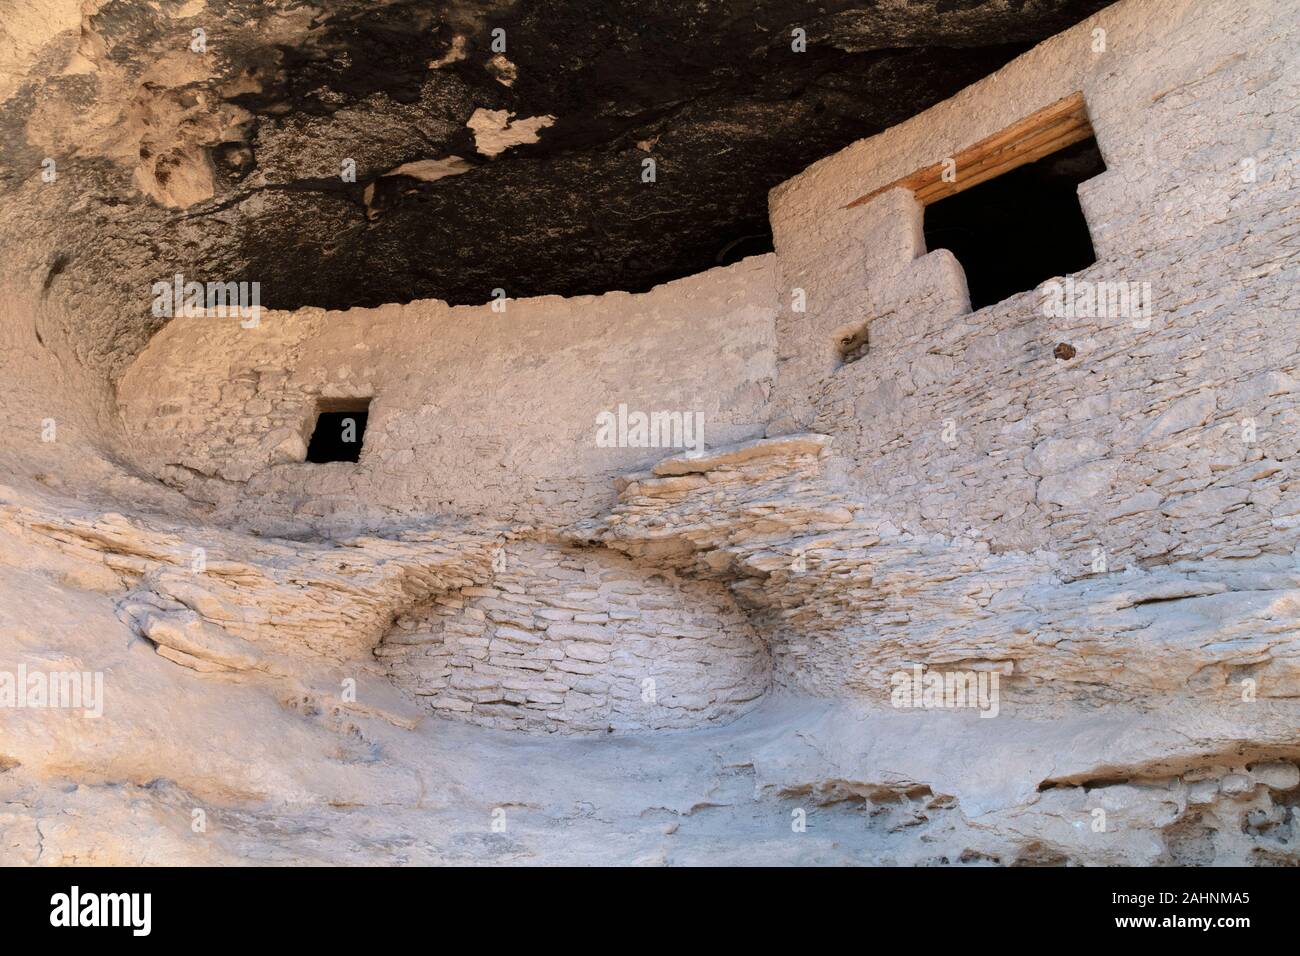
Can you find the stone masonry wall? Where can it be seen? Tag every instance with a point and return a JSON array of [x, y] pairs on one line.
[[1159, 440], [845, 601], [974, 495], [580, 641], [473, 411]]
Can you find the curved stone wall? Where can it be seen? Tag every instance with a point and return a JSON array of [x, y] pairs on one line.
[[473, 411], [575, 640]]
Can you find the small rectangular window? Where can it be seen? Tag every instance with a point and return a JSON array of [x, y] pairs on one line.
[[340, 429]]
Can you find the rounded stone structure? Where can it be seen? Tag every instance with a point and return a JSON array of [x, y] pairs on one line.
[[575, 641]]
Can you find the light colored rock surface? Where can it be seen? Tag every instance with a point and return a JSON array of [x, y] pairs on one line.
[[847, 599], [475, 410], [440, 653]]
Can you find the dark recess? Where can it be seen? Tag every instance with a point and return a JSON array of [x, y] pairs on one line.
[[713, 92], [1016, 230], [330, 440]]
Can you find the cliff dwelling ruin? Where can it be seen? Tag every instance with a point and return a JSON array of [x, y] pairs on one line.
[[687, 433]]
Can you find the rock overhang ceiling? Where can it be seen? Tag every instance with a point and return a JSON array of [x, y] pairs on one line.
[[349, 154]]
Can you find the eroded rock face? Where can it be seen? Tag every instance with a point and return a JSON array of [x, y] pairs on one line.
[[478, 622], [849, 600], [956, 587]]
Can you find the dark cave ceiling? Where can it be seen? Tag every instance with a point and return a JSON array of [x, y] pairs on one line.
[[711, 91]]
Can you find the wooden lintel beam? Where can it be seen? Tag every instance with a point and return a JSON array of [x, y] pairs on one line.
[[1040, 134]]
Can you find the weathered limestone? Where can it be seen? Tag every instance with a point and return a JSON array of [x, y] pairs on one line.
[[849, 600], [492, 612], [522, 635], [333, 600]]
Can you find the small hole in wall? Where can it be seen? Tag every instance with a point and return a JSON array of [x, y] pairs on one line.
[[852, 344], [1014, 231], [340, 429]]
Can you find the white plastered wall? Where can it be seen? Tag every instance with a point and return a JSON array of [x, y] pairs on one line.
[[1134, 446]]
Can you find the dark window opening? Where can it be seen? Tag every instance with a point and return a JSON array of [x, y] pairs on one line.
[[340, 427], [1018, 229]]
